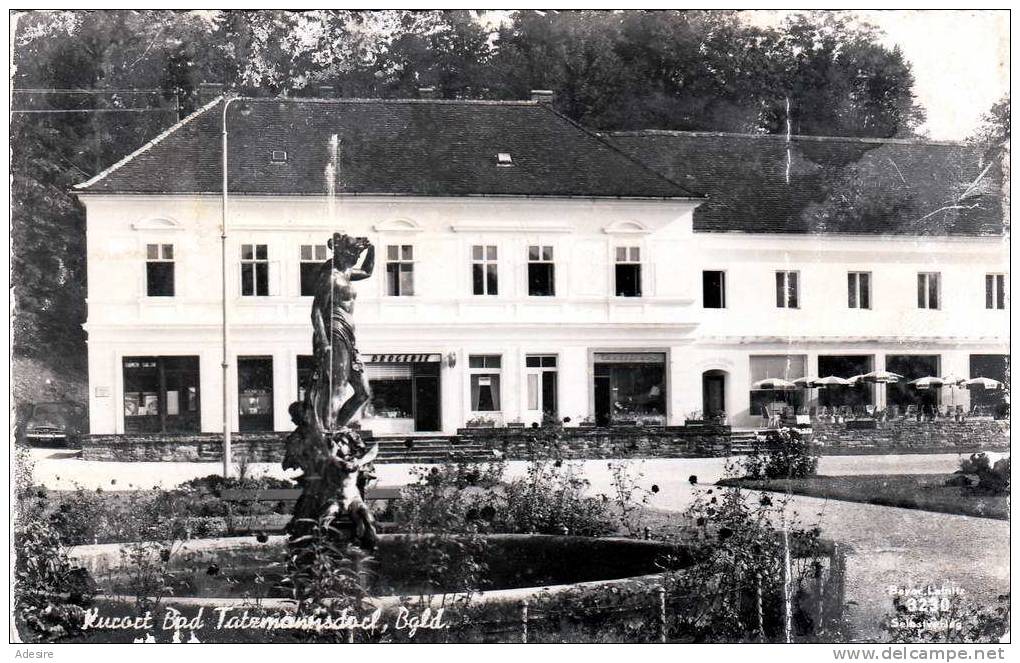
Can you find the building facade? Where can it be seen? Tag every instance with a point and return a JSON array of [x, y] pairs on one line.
[[524, 269]]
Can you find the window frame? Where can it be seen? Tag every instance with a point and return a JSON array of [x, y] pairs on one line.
[[314, 260], [161, 259], [631, 257], [785, 294], [255, 262], [722, 288], [484, 370], [855, 290], [484, 263], [542, 260], [996, 291], [399, 261], [924, 300]]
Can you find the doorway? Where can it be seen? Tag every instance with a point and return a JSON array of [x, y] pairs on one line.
[[540, 375], [713, 394]]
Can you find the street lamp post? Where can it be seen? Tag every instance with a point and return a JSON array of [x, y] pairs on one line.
[[223, 268]]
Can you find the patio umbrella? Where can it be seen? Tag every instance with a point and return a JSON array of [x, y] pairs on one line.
[[986, 383], [927, 382], [807, 383], [773, 384], [832, 381], [877, 377]]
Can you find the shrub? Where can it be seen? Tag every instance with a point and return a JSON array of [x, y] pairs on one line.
[[738, 551], [991, 479], [50, 595], [780, 454], [951, 620]]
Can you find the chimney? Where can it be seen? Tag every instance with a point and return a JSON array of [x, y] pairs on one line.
[[542, 96], [429, 92], [209, 91], [326, 92]]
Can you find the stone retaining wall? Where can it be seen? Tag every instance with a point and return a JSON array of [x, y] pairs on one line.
[[910, 434], [513, 443], [636, 442], [183, 447]]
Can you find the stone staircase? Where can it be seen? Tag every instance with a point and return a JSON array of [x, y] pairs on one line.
[[431, 449], [741, 441]]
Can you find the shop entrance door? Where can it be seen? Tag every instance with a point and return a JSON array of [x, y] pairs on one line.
[[426, 403]]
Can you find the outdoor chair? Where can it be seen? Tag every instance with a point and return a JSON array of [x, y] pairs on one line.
[[912, 413]]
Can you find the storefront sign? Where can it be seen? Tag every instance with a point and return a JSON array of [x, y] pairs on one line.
[[630, 357], [418, 358]]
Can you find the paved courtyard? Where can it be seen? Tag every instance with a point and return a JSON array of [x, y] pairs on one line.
[[890, 545]]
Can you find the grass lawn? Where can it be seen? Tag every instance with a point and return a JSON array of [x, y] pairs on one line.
[[926, 492]]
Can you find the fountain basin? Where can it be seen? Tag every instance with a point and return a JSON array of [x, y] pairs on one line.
[[519, 566]]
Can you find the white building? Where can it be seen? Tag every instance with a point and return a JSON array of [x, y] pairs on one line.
[[523, 265]]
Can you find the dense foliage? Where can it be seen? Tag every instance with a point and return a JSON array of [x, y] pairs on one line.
[[610, 70], [780, 454]]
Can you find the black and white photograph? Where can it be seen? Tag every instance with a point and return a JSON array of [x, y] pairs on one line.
[[510, 326]]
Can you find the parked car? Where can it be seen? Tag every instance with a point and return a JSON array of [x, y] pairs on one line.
[[58, 424]]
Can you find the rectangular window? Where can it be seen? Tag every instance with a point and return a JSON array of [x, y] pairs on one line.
[[159, 270], [540, 371], [713, 289], [541, 272], [995, 291], [787, 290], [485, 374], [858, 289], [312, 256], [628, 271], [254, 270], [400, 270], [928, 290], [161, 394], [484, 272]]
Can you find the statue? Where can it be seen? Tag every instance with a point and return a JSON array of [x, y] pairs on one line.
[[335, 461]]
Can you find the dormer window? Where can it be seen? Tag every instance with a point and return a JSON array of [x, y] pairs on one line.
[[278, 156], [504, 160]]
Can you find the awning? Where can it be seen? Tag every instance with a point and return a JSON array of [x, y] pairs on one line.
[[413, 358]]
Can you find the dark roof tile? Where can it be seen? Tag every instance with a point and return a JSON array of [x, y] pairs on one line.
[[835, 185], [399, 147]]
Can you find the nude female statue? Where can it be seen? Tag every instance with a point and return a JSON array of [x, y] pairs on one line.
[[333, 457], [336, 355]]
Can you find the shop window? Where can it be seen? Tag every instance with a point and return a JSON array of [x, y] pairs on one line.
[[255, 393], [787, 289], [785, 367], [312, 256], [161, 394], [484, 270], [990, 401], [858, 289], [305, 370], [628, 271], [928, 287], [860, 394], [485, 382], [254, 270], [392, 390], [159, 270], [630, 388], [912, 367], [995, 291], [713, 287], [400, 270], [541, 272]]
